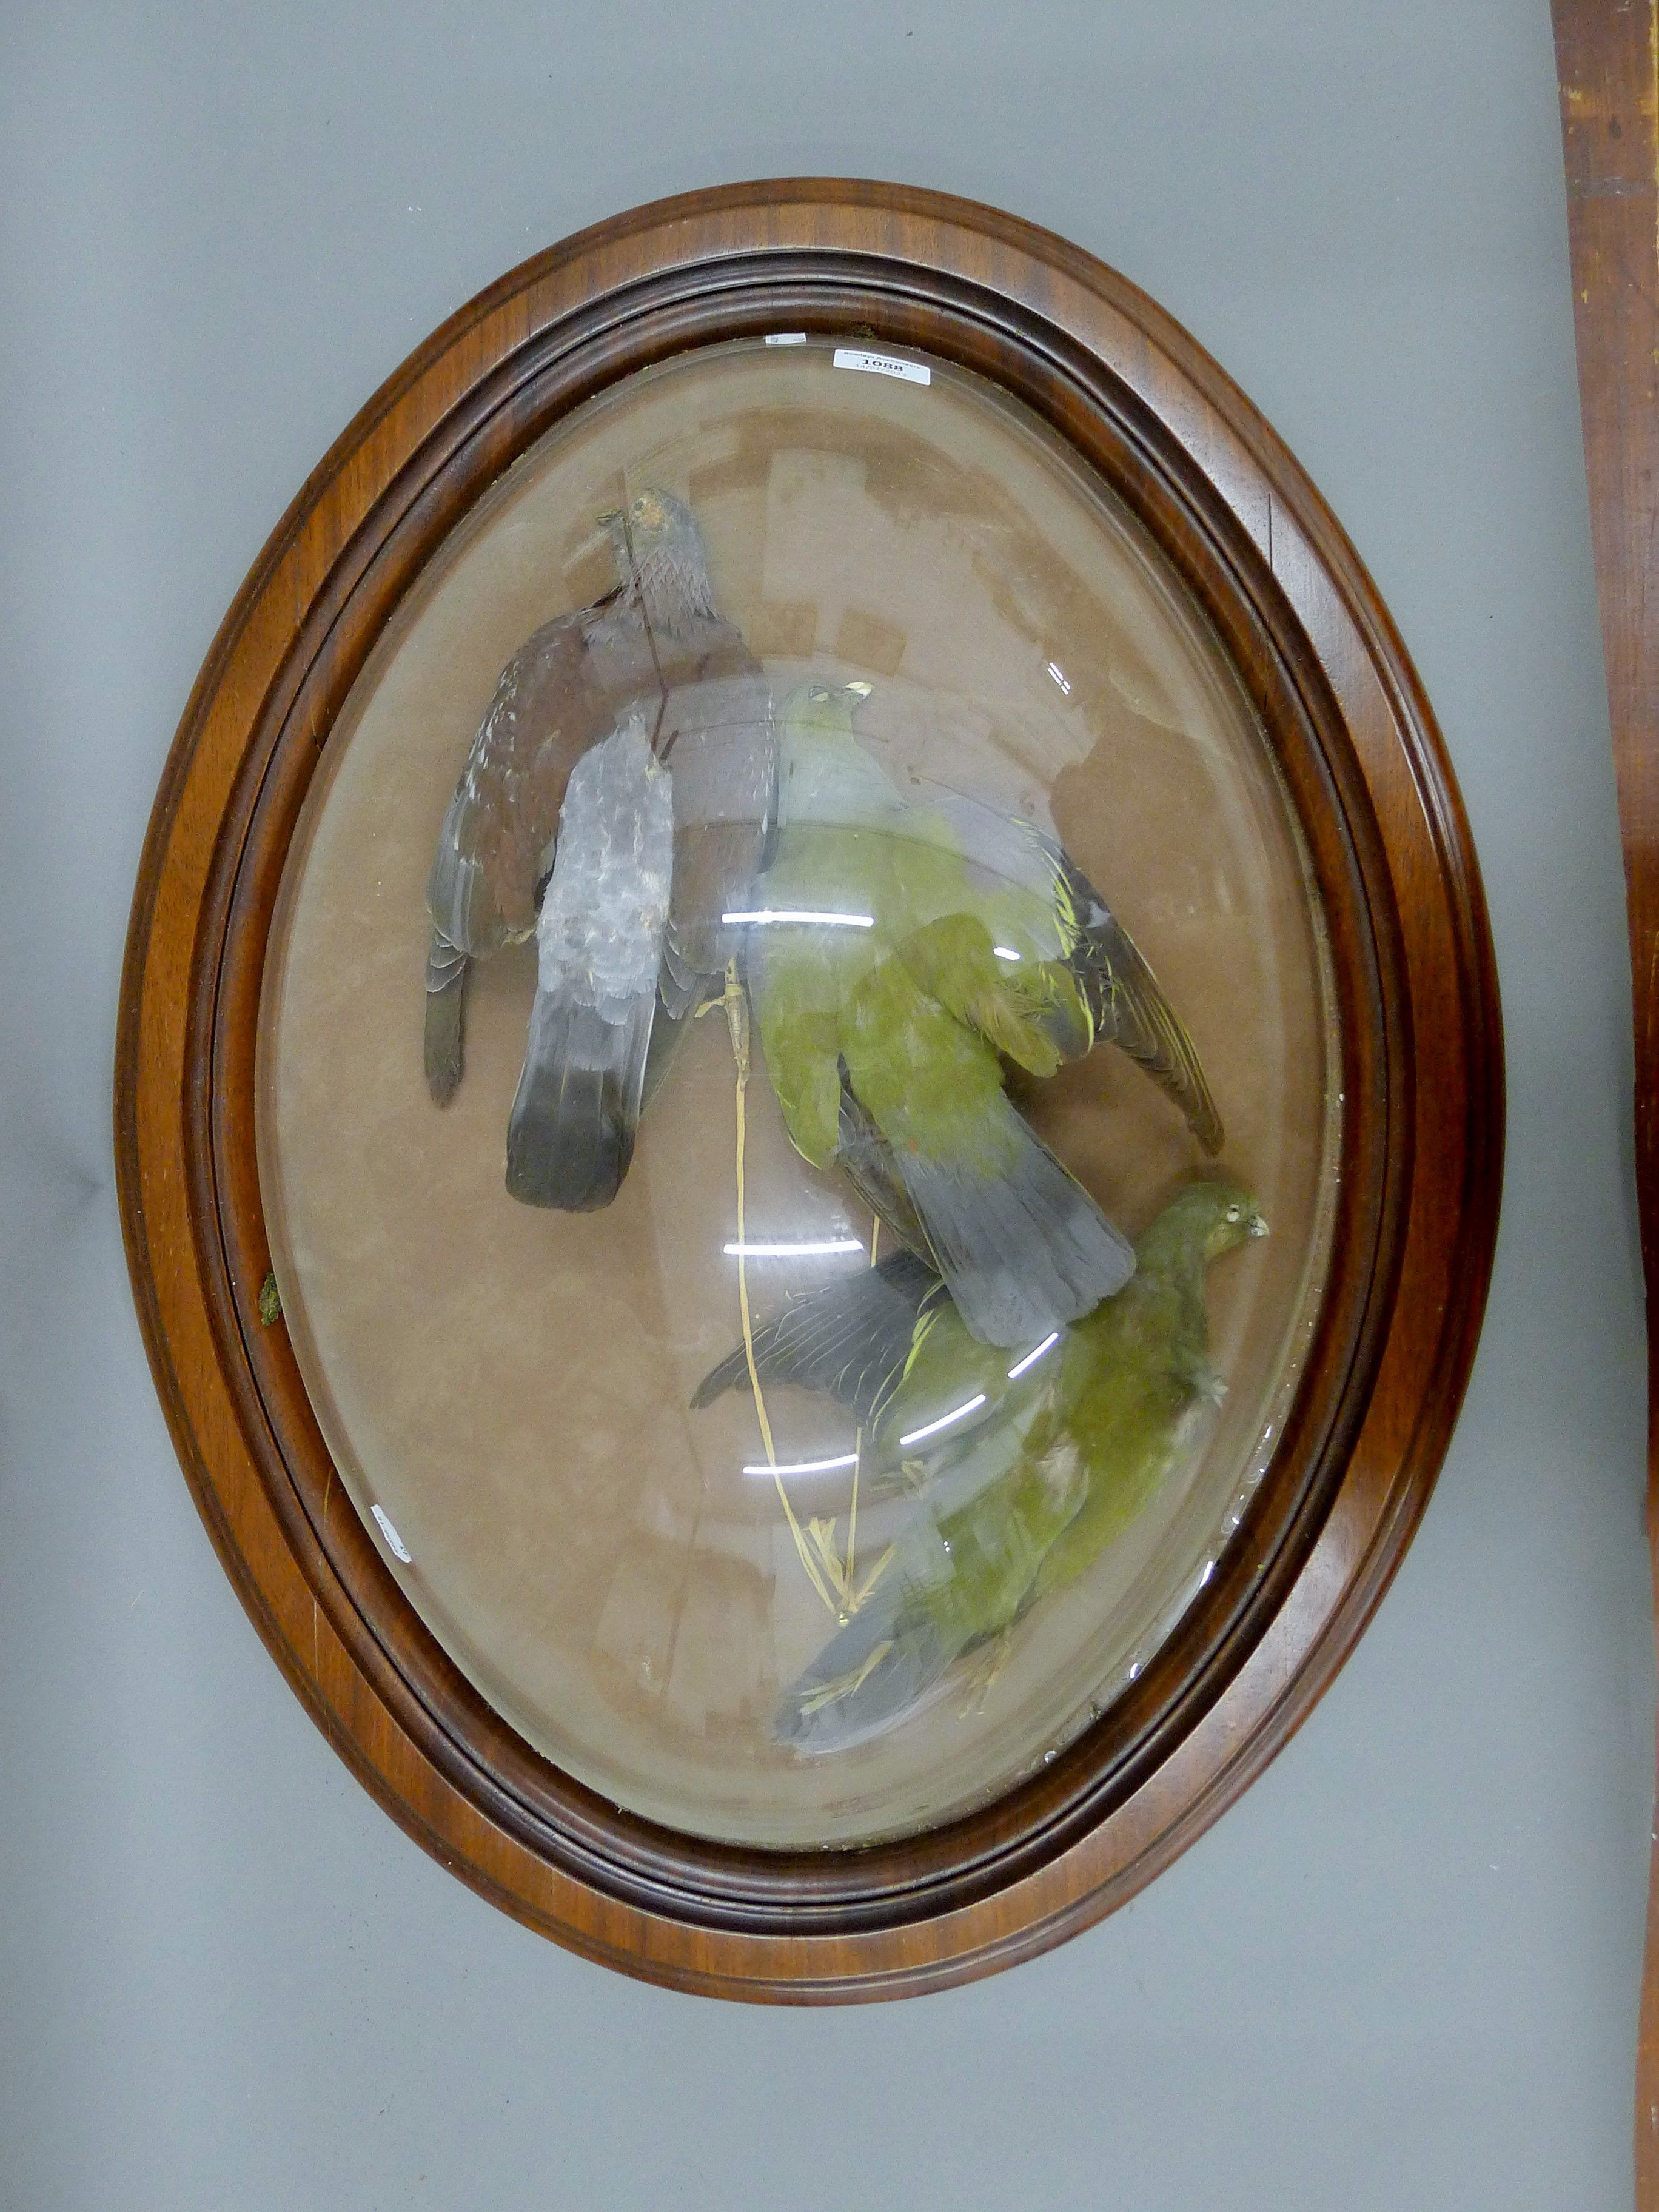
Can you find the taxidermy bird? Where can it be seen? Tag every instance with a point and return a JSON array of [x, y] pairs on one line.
[[898, 954], [656, 639], [1030, 1466]]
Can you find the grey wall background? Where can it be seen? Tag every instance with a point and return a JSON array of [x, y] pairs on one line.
[[1403, 1971]]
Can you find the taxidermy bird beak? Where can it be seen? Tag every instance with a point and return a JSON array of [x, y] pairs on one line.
[[611, 514]]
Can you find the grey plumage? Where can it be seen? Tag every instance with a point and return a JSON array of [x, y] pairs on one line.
[[1025, 1251], [1027, 1254], [894, 1650], [850, 1340], [723, 757], [446, 1000], [721, 753], [599, 944]]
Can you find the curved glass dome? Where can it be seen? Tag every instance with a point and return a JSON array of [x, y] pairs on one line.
[[824, 766]]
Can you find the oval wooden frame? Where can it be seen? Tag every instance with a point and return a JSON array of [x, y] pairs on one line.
[[1421, 1161]]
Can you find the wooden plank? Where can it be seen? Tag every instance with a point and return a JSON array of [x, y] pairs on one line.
[[1607, 72]]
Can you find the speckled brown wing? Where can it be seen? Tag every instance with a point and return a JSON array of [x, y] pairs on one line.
[[549, 707]]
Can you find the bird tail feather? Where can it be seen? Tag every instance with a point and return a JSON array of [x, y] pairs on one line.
[[571, 1135], [1024, 1252], [446, 1017]]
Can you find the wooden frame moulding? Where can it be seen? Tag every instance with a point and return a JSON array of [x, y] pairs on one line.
[[1607, 73], [1420, 1167]]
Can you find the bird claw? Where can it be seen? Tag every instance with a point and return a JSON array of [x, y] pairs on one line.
[[987, 1666]]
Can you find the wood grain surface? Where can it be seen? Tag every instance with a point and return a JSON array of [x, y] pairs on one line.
[[1608, 71], [1287, 596]]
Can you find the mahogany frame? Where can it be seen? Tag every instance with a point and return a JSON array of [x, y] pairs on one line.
[[1607, 65], [1421, 1165]]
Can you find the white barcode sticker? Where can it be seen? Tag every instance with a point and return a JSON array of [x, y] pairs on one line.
[[786, 338], [390, 1533], [882, 364]]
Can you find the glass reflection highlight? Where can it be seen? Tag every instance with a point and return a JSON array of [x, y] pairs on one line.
[[958, 1414], [1020, 1366], [796, 914], [817, 1248]]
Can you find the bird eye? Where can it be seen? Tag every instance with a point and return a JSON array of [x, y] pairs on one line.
[[1233, 1213]]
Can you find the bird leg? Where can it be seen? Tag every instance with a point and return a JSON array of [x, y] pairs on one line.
[[831, 1693], [988, 1663]]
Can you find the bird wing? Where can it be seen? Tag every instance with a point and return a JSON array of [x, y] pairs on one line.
[[1128, 1001], [865, 1158], [880, 1667], [955, 1581], [446, 999], [549, 707], [852, 1340], [1030, 1010], [1023, 1246]]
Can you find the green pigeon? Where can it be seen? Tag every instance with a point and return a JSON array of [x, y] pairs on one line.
[[899, 954], [1028, 1468]]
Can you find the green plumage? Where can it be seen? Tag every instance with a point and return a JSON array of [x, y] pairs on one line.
[[918, 1001], [903, 954], [1023, 1489]]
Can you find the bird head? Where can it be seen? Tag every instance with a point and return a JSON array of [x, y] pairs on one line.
[[1209, 1217], [655, 541], [651, 519], [826, 708]]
